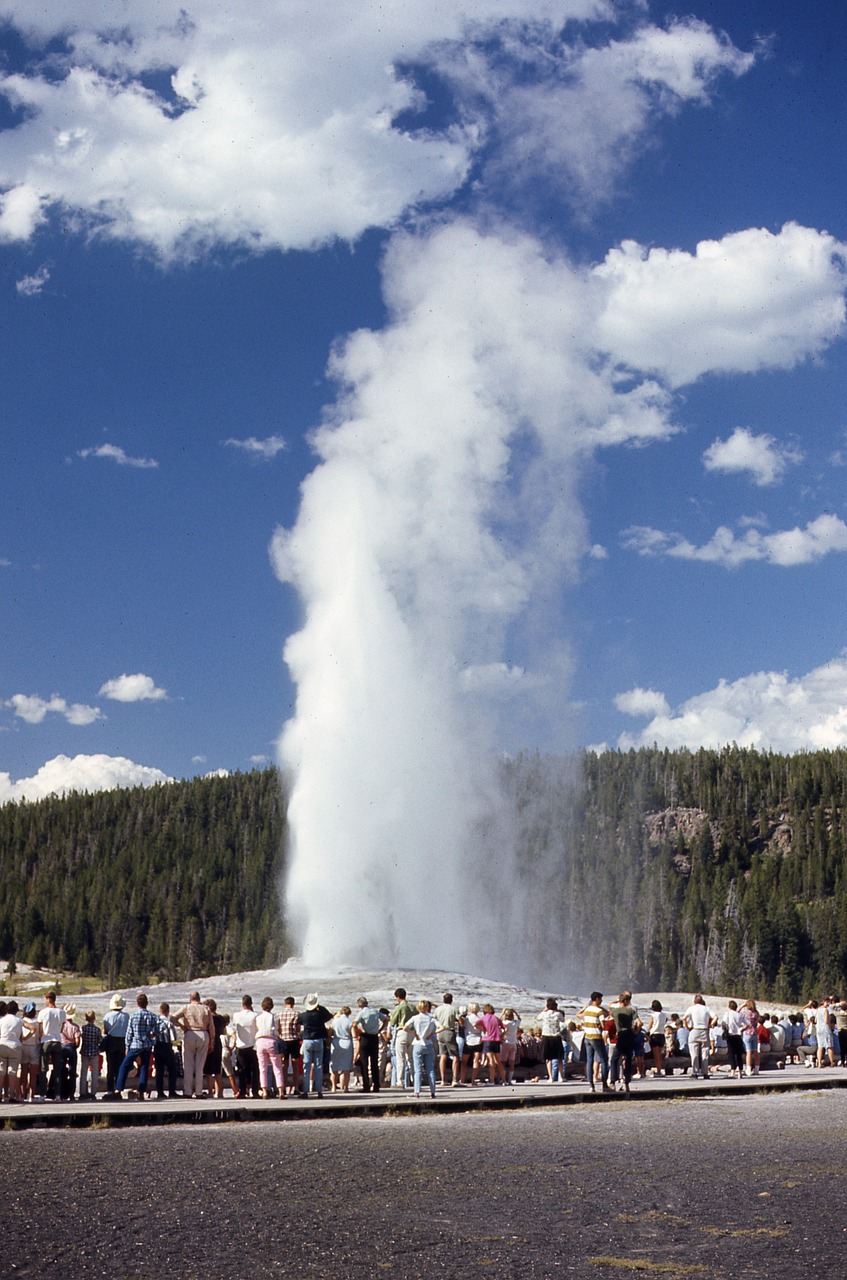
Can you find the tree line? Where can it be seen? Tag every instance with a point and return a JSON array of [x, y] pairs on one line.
[[146, 884], [722, 870]]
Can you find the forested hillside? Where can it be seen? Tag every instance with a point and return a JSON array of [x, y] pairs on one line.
[[717, 870], [658, 869], [172, 881]]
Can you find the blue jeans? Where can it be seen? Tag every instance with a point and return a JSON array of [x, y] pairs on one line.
[[423, 1059], [313, 1056], [596, 1049], [144, 1056]]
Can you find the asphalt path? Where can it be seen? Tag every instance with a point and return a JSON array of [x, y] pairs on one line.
[[717, 1187]]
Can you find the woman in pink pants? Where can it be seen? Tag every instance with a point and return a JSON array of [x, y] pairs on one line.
[[267, 1036]]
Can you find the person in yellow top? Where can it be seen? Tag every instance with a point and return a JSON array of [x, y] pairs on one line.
[[593, 1016]]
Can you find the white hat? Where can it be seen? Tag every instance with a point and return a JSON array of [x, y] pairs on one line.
[[312, 1000], [117, 1002]]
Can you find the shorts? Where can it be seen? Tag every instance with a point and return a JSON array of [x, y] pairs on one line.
[[657, 1041], [30, 1055], [473, 1050], [10, 1061], [447, 1047], [508, 1054], [289, 1049], [491, 1046], [551, 1047], [751, 1042]]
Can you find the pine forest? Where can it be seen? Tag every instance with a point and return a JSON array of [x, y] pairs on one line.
[[715, 870]]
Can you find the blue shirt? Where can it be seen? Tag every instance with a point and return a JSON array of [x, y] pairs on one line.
[[141, 1033]]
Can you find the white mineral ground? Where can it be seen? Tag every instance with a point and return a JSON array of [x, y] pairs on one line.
[[338, 986]]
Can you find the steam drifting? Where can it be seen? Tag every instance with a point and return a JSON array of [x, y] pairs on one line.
[[442, 514]]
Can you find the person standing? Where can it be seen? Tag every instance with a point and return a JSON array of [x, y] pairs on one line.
[[627, 1022], [423, 1027], [446, 1019], [314, 1024], [401, 1040], [140, 1039], [656, 1035], [552, 1024], [593, 1016], [267, 1052], [11, 1040], [369, 1023], [699, 1020], [341, 1057], [289, 1034], [89, 1058], [750, 1035], [195, 1019], [164, 1057], [734, 1024], [246, 1062], [823, 1031], [70, 1053], [50, 1019], [115, 1024]]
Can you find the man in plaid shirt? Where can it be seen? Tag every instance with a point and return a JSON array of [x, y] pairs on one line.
[[289, 1034], [89, 1054], [140, 1039]]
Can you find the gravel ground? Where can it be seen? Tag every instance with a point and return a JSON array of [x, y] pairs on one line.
[[719, 1188]]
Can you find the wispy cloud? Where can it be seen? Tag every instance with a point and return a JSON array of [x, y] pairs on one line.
[[114, 453], [33, 709], [135, 688], [266, 449], [30, 286], [767, 710], [787, 547], [761, 456]]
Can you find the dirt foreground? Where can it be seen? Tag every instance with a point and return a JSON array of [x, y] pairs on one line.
[[722, 1187]]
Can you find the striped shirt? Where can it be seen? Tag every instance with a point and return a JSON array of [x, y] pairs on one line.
[[592, 1021]]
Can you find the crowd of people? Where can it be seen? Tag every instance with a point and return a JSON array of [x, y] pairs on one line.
[[197, 1051]]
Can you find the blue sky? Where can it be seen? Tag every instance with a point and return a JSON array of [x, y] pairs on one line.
[[196, 214]]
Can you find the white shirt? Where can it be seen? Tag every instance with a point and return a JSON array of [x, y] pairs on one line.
[[699, 1015], [11, 1031], [52, 1021], [244, 1023]]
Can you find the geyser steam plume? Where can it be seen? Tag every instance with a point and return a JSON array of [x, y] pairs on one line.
[[430, 550]]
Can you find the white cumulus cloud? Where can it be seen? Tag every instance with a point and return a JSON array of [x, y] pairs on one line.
[[763, 457], [289, 124], [135, 688], [79, 773], [786, 548], [114, 453], [752, 300], [767, 710], [33, 710], [642, 702]]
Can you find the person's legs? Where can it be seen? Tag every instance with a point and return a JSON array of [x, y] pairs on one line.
[[417, 1066]]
